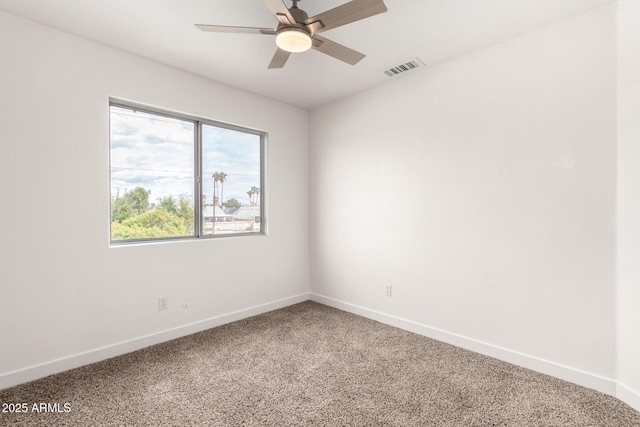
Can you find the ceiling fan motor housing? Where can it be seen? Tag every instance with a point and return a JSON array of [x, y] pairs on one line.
[[299, 16]]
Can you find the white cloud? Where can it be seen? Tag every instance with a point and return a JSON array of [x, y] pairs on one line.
[[157, 153]]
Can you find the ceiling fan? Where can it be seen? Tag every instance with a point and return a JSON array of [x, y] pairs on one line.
[[296, 32]]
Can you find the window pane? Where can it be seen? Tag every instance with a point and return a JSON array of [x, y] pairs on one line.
[[152, 175], [230, 181]]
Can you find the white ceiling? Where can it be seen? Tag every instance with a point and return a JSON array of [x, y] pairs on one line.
[[163, 30]]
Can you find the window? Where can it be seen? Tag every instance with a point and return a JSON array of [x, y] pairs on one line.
[[175, 177]]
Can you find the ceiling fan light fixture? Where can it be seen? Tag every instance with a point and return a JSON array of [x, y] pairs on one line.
[[293, 40]]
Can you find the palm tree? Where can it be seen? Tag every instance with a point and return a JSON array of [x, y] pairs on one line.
[[222, 177], [217, 177], [254, 192]]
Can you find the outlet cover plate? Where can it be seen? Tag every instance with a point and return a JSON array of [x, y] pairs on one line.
[[387, 290]]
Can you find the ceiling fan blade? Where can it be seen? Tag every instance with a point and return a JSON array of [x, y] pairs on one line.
[[284, 19], [241, 30], [279, 59], [353, 11], [336, 50], [280, 10]]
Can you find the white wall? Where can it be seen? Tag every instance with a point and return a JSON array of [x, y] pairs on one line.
[[66, 297], [483, 190], [629, 201]]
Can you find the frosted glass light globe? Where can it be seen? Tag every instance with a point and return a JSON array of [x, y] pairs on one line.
[[293, 40]]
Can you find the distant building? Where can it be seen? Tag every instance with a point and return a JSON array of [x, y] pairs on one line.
[[247, 213], [220, 216]]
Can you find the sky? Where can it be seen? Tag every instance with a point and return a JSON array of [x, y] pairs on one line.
[[157, 153]]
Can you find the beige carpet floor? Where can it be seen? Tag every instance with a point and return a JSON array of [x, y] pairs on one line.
[[309, 364]]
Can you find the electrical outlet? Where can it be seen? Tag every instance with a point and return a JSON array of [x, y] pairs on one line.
[[163, 303], [387, 290]]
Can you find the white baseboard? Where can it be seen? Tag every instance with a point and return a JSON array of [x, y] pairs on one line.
[[629, 396], [586, 379], [42, 370], [596, 382]]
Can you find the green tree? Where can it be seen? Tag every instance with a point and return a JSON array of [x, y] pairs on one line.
[[168, 203], [131, 203], [156, 223], [232, 204], [185, 211], [120, 208], [181, 207], [139, 200]]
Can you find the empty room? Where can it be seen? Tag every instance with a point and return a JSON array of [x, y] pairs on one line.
[[366, 212]]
